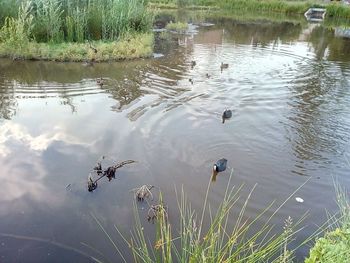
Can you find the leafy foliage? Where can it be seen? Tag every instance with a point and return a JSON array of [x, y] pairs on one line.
[[334, 246]]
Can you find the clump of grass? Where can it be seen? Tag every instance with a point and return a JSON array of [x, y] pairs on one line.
[[177, 26], [48, 20], [334, 246], [288, 7], [338, 10], [219, 242]]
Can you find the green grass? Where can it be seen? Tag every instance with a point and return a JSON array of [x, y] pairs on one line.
[[210, 235], [287, 7], [334, 9], [130, 47], [74, 21], [338, 10]]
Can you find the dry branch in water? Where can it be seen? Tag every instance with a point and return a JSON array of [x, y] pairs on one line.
[[109, 172]]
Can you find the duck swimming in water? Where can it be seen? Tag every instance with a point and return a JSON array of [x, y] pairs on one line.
[[223, 66], [218, 167], [226, 115]]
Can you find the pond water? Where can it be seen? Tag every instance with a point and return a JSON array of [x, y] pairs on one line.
[[288, 87]]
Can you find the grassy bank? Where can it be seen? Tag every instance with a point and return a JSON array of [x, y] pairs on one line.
[[128, 47], [184, 3], [61, 29], [334, 9], [287, 7]]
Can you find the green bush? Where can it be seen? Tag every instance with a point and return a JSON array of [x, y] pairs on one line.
[[334, 247]]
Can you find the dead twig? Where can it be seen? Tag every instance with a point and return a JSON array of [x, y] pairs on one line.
[[109, 172]]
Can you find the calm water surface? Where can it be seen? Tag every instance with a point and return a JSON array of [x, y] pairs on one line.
[[287, 84]]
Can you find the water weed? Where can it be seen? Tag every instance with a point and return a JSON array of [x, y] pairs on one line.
[[194, 239]]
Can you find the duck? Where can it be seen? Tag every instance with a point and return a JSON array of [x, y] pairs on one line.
[[218, 167], [223, 66], [227, 114], [207, 75], [99, 81], [191, 80], [193, 63]]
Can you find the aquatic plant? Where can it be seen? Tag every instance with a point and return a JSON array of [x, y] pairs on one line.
[[194, 241]]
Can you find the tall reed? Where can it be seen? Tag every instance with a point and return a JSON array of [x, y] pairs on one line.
[[338, 10], [76, 20], [8, 8], [48, 20], [76, 25], [17, 31]]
